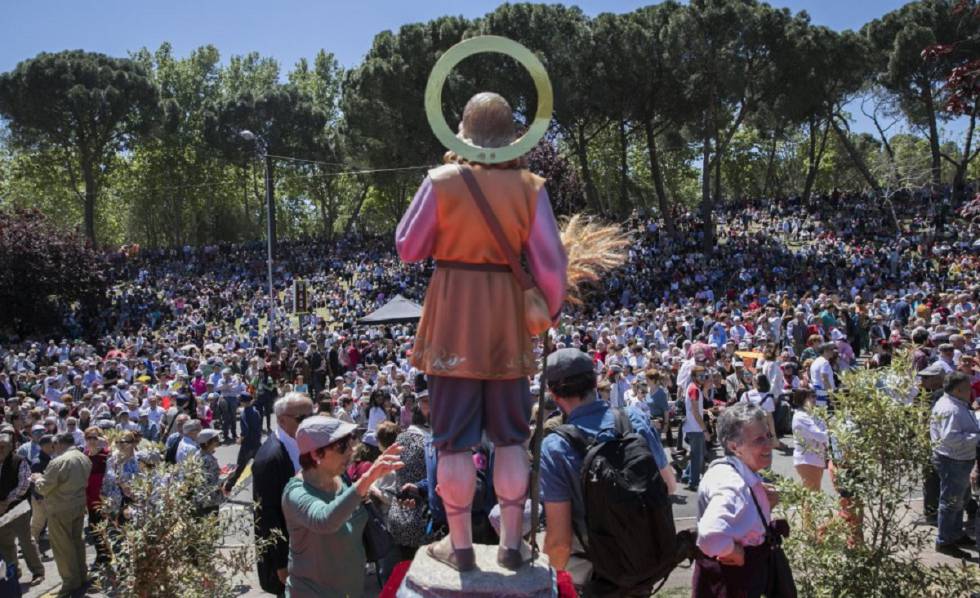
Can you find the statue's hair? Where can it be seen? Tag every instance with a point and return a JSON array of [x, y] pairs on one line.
[[488, 121]]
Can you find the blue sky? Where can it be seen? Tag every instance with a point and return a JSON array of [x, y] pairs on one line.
[[284, 29]]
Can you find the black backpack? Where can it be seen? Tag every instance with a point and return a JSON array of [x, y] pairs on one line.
[[632, 542]]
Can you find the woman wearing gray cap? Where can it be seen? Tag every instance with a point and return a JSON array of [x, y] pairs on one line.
[[323, 513]]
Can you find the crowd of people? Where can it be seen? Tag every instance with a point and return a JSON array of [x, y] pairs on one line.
[[728, 350]]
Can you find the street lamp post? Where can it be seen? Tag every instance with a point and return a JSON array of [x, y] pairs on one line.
[[263, 150]]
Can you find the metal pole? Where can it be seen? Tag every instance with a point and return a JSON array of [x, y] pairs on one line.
[[534, 484], [270, 227]]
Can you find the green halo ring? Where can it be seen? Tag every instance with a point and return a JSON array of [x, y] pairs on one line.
[[433, 99]]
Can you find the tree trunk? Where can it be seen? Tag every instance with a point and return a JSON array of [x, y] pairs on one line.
[[624, 201], [854, 155], [717, 185], [581, 150], [936, 165], [706, 206], [246, 175], [814, 157], [959, 181], [770, 165], [658, 180], [357, 209], [91, 193], [889, 151]]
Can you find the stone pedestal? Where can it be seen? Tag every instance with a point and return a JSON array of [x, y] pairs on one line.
[[428, 578]]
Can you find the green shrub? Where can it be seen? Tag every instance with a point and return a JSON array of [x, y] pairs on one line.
[[164, 549], [883, 447]]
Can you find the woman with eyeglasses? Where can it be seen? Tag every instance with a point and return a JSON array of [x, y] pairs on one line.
[[121, 467], [736, 534], [323, 513], [209, 499]]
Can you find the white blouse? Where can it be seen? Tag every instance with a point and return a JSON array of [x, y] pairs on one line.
[[810, 437], [726, 511], [765, 401]]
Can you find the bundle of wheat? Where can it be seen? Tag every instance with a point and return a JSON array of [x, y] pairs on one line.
[[593, 249]]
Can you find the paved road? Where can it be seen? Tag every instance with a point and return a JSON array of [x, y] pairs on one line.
[[240, 505], [685, 506]]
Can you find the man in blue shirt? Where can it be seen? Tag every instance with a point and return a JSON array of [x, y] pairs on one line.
[[955, 435], [572, 380]]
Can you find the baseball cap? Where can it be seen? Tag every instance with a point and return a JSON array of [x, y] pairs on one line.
[[565, 363], [934, 369], [206, 435], [319, 431]]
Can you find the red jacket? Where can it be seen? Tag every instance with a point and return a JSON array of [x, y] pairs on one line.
[[94, 489]]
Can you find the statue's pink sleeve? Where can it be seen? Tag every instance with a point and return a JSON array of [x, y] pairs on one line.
[[416, 233], [546, 255]]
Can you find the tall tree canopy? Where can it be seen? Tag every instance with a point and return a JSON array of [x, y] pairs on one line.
[[671, 107], [82, 109]]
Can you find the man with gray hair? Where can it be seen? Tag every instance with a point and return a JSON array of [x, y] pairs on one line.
[[276, 461], [230, 388], [188, 441], [955, 434]]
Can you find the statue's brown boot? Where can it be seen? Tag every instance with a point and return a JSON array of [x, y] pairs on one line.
[[513, 559], [462, 560]]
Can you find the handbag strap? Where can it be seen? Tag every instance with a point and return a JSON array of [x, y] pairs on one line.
[[755, 501], [523, 279]]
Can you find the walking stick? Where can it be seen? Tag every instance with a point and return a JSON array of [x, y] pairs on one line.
[[536, 447]]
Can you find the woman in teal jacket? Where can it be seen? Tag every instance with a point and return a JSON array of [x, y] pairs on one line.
[[324, 516]]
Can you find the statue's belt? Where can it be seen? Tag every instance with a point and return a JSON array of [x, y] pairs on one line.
[[450, 265]]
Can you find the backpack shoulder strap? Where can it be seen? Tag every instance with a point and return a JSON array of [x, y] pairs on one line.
[[580, 444], [755, 501], [574, 436]]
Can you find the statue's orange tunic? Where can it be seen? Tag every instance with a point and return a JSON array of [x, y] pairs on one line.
[[472, 322]]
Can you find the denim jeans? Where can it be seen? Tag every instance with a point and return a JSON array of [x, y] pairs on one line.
[[954, 481], [692, 473], [229, 427]]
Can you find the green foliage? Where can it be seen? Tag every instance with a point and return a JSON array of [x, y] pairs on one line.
[[666, 107], [80, 109], [42, 271], [163, 548], [883, 447], [898, 40]]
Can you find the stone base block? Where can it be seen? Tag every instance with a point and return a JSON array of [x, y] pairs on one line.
[[428, 578]]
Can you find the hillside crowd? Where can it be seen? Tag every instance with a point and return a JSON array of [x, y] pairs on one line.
[[794, 295]]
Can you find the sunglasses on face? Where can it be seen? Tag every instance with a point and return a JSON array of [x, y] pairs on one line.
[[299, 418], [91, 438], [343, 444]]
